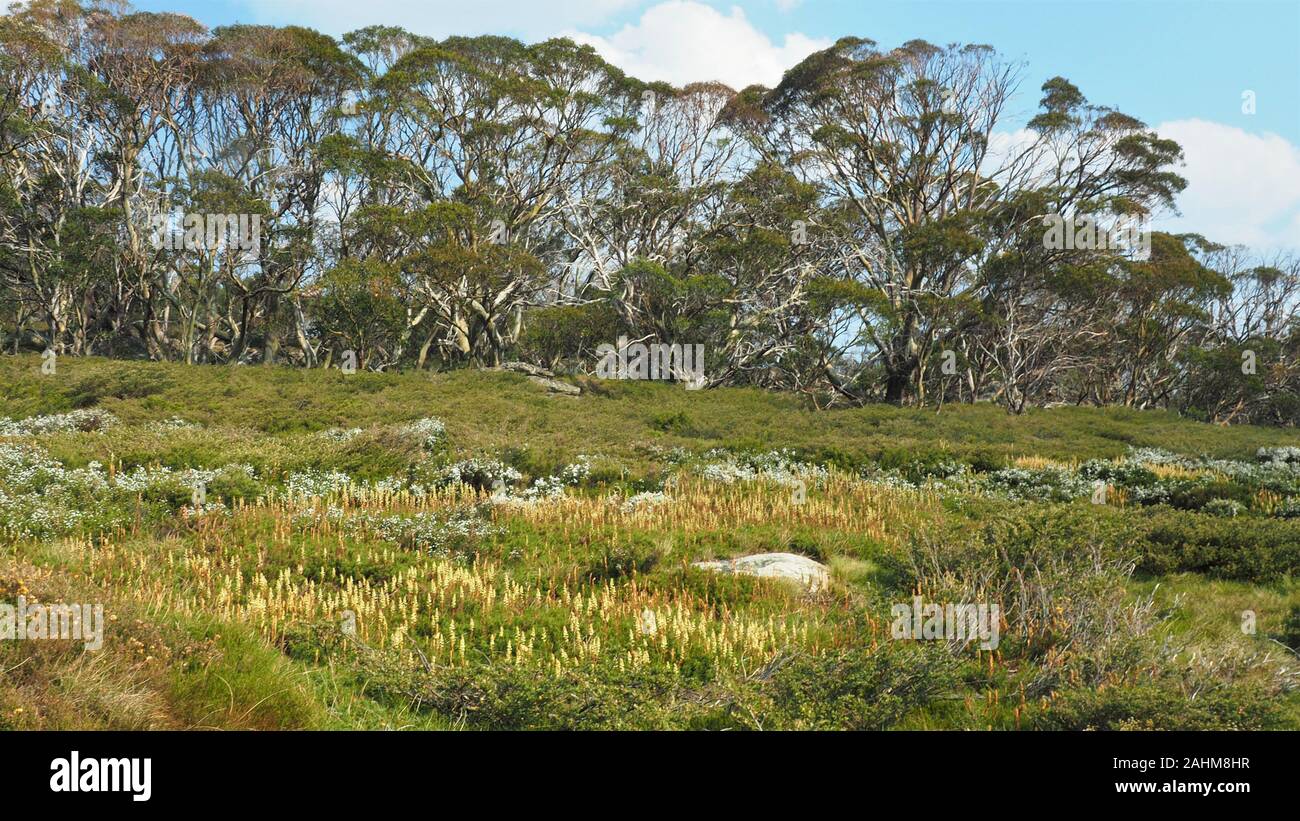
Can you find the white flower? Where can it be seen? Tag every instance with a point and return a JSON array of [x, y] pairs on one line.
[[430, 431], [647, 500], [92, 419]]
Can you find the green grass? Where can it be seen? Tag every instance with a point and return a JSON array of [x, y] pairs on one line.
[[497, 411], [1118, 616]]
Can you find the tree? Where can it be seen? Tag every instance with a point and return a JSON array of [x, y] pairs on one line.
[[900, 143]]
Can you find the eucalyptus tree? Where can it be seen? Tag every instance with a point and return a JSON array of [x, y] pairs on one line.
[[764, 247], [1049, 305], [270, 96], [1037, 326], [1244, 362], [49, 158], [504, 129], [902, 145], [871, 227], [365, 155], [140, 67], [658, 192], [898, 143]]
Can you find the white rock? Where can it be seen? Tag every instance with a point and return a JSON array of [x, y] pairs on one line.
[[556, 386], [797, 568]]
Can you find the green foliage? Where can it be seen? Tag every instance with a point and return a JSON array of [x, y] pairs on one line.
[[503, 697], [568, 332], [126, 381], [1164, 706], [859, 689], [240, 683], [898, 501], [1245, 548], [1291, 629], [361, 302]]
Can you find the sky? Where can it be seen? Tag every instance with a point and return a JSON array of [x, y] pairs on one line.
[[1185, 67]]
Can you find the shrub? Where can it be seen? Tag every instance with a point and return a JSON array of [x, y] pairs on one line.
[[675, 422], [1291, 629], [124, 381], [858, 689], [231, 484], [1191, 495], [1126, 474], [1240, 548], [1058, 572], [1046, 484], [380, 452], [1161, 705], [509, 697], [77, 421], [917, 466], [1224, 507]]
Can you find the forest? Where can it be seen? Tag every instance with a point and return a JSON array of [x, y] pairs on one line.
[[865, 231]]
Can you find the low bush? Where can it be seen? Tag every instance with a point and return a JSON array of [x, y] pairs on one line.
[[1240, 548], [1161, 705], [125, 381], [859, 689]]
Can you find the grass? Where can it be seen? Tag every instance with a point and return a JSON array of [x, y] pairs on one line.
[[568, 597], [487, 411]]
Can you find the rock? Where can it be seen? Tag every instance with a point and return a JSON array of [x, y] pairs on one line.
[[541, 376], [524, 368], [556, 386], [814, 575]]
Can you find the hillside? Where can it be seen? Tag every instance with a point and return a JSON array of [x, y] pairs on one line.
[[277, 547]]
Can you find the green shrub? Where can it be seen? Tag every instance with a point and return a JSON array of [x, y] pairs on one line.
[[1161, 705], [125, 381], [509, 697], [983, 461], [677, 422], [918, 465], [1291, 629], [1126, 474], [860, 689], [1241, 548], [1161, 540], [1190, 495], [231, 485], [378, 453]]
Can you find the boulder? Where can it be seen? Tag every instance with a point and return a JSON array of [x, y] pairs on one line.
[[525, 368], [556, 386], [541, 376], [813, 575]]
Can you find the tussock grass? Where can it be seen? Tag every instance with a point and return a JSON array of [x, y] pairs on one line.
[[576, 605], [494, 411]]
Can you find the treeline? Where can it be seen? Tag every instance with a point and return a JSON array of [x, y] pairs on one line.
[[864, 231]]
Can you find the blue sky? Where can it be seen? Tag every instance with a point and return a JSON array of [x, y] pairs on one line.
[[1182, 66]]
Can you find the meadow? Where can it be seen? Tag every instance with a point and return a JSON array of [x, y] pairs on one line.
[[279, 548]]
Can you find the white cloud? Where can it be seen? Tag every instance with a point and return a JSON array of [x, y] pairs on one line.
[[1012, 154], [682, 41], [1241, 187], [532, 20]]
